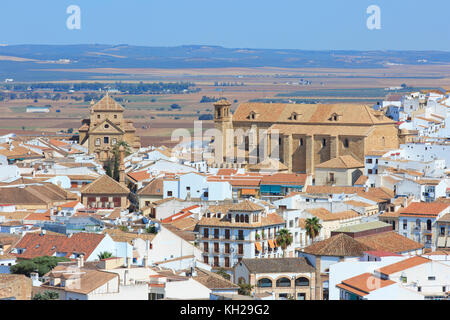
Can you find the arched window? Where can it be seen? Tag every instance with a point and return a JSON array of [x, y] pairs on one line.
[[324, 142], [428, 224], [264, 283], [301, 141], [345, 143], [283, 282], [236, 218], [301, 282], [246, 218]]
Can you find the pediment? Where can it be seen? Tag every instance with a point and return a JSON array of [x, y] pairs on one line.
[[107, 127]]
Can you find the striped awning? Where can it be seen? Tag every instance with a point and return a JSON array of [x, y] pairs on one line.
[[258, 246]]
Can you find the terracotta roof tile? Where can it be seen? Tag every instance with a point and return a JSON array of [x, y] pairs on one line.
[[403, 265]]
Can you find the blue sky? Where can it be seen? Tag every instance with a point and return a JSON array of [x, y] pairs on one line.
[[287, 24]]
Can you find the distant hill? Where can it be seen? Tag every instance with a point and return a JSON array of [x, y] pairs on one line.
[[24, 62]]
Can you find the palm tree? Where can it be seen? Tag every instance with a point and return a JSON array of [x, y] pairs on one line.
[[104, 255], [245, 289], [284, 239], [312, 226]]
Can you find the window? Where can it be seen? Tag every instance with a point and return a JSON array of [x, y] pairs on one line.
[[442, 231], [106, 126], [429, 225], [324, 142], [369, 171], [369, 160], [419, 289], [301, 282], [346, 143], [97, 141], [106, 140], [115, 116], [301, 141], [264, 283], [405, 224], [283, 282], [98, 116], [431, 278], [169, 193], [246, 218], [114, 141]]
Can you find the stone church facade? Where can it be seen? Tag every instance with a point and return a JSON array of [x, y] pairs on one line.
[[308, 134], [105, 127]]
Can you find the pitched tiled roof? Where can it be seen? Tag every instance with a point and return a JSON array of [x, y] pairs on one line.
[[213, 281], [325, 215], [107, 104], [121, 236], [390, 241], [333, 190], [340, 245], [37, 245], [105, 185], [139, 175], [361, 180], [153, 188], [44, 193], [87, 281], [363, 284], [269, 164], [247, 206], [403, 265], [424, 209], [341, 162], [310, 114], [285, 179], [278, 265]]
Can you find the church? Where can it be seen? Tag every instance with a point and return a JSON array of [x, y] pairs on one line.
[[308, 134], [105, 127]]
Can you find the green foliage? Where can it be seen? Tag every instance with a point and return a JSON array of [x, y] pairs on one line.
[[123, 228], [312, 226], [104, 255], [223, 273], [284, 239], [42, 265], [245, 289], [46, 295], [151, 229]]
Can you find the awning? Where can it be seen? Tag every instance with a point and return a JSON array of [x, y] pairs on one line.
[[258, 246], [275, 243], [250, 192], [271, 244]]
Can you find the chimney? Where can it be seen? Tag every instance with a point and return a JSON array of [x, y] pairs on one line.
[[81, 261], [145, 261]]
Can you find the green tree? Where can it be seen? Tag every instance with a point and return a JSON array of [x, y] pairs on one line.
[[245, 289], [312, 226], [223, 273], [104, 255], [123, 228], [41, 265], [46, 295], [284, 239], [151, 229]]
